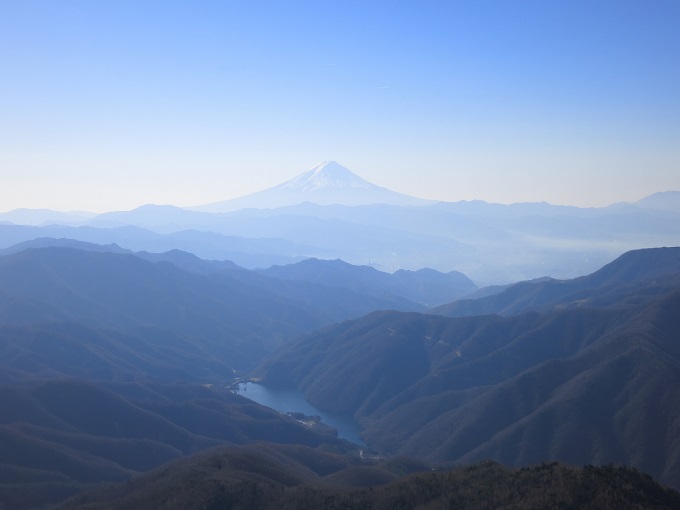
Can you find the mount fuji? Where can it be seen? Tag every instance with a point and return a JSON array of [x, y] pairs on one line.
[[325, 184]]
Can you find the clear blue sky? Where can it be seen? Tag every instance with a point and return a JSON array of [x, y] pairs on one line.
[[110, 104]]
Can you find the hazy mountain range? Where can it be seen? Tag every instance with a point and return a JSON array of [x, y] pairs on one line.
[[329, 212]]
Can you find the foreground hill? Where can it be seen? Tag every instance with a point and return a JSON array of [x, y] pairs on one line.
[[112, 363], [302, 478], [581, 385], [60, 437]]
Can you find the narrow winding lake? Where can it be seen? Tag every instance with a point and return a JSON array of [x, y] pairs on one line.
[[292, 400]]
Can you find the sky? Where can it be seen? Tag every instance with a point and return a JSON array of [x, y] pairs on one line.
[[111, 104]]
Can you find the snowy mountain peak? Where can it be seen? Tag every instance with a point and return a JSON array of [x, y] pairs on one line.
[[325, 184], [326, 175]]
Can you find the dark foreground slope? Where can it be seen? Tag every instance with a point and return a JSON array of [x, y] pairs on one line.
[[302, 478], [581, 385], [111, 364], [60, 437]]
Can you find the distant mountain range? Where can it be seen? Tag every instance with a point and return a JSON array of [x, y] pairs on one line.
[[331, 213], [490, 243], [663, 201]]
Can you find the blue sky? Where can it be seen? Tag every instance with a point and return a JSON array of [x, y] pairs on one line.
[[108, 105]]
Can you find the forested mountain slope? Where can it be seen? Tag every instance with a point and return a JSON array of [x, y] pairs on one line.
[[580, 385], [301, 478]]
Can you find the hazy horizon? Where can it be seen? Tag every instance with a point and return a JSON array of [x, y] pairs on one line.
[[102, 211], [112, 105]]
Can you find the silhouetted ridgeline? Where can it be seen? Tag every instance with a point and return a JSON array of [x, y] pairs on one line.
[[275, 478], [424, 286]]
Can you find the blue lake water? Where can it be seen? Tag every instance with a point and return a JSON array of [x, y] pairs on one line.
[[292, 400]]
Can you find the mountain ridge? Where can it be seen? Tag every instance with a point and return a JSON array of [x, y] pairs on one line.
[[275, 477], [653, 268], [425, 286], [490, 243], [564, 384]]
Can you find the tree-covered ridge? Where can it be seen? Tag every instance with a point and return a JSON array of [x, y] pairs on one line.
[[310, 479], [592, 382]]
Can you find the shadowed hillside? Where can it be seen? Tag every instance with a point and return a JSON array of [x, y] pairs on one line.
[[60, 437], [232, 315], [301, 478], [580, 385], [112, 364]]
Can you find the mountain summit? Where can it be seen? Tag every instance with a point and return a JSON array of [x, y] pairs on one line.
[[325, 175], [325, 184]]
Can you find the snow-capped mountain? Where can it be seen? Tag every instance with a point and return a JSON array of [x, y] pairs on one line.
[[327, 174], [325, 184]]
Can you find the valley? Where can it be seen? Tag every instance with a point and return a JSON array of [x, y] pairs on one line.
[[98, 387]]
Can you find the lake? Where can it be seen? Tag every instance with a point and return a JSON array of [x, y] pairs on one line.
[[291, 400]]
